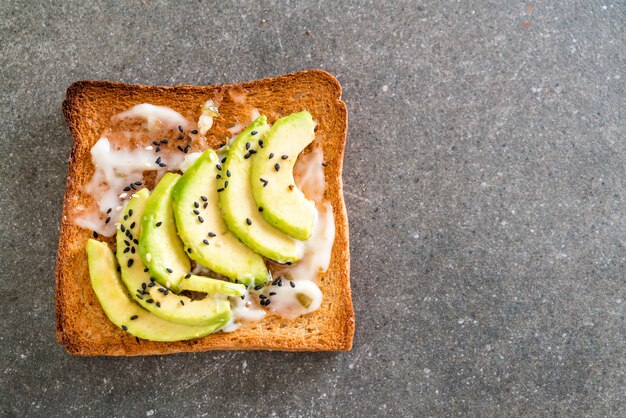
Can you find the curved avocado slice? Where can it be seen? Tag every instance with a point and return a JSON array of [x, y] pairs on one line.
[[150, 295], [202, 228], [238, 205], [273, 186], [125, 313], [212, 286], [160, 247]]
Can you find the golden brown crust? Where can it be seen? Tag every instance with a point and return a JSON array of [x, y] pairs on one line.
[[82, 327]]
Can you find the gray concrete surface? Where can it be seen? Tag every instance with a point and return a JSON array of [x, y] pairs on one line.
[[484, 177]]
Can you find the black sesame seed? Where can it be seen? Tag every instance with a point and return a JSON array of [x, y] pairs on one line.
[[180, 148], [262, 297], [261, 143], [227, 173], [195, 131], [132, 186], [324, 164], [149, 301], [261, 209], [143, 286], [145, 270], [280, 282], [130, 213], [182, 303], [284, 157], [158, 224], [164, 141], [211, 234], [127, 188], [152, 279], [132, 250], [243, 297], [167, 291], [223, 160], [181, 137], [137, 339], [196, 211], [180, 128], [189, 250], [219, 176], [201, 219], [267, 302], [127, 243], [136, 241], [158, 160], [188, 275], [196, 204], [139, 296], [219, 167], [271, 155], [109, 210], [151, 284], [169, 270], [247, 155], [205, 241], [124, 327], [127, 249], [289, 263], [248, 221], [162, 165], [158, 304], [253, 133], [204, 198], [155, 143], [292, 284], [247, 145], [186, 150], [125, 217], [272, 293], [130, 262], [132, 225], [221, 189], [122, 228], [264, 182], [161, 289], [157, 149], [276, 166], [107, 220], [252, 151], [258, 287], [205, 205], [290, 187], [132, 318], [226, 184]]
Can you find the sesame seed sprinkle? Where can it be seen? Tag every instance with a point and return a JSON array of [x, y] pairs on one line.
[[180, 128]]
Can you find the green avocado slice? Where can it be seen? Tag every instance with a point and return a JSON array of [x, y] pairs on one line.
[[273, 186], [238, 205], [202, 228], [212, 286], [125, 313], [161, 249], [150, 295]]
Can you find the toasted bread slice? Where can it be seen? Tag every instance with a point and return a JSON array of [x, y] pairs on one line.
[[83, 328]]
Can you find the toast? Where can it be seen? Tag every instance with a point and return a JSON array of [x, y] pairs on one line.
[[81, 325]]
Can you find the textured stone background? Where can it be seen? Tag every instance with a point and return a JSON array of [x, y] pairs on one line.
[[484, 177]]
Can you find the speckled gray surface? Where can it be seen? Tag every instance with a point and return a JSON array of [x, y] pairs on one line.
[[484, 178]]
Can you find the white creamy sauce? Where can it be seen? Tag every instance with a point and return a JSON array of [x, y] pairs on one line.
[[117, 166], [316, 251], [244, 310], [155, 116]]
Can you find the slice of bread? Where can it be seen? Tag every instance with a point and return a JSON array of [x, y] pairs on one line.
[[83, 328]]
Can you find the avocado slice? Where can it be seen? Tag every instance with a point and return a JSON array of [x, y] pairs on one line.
[[160, 247], [240, 211], [202, 228], [212, 286], [151, 296], [126, 314], [273, 187]]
